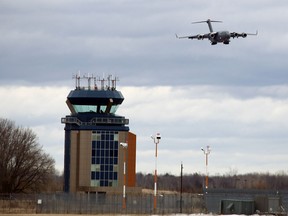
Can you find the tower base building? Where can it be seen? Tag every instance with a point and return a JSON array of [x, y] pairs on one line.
[[95, 157]]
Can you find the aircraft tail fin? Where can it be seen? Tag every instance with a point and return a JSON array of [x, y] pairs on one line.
[[208, 21]]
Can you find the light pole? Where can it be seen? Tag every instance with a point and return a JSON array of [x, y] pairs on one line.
[[156, 139], [181, 187], [206, 153], [124, 146]]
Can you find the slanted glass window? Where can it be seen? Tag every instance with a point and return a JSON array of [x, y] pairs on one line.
[[85, 108], [94, 108], [114, 108]]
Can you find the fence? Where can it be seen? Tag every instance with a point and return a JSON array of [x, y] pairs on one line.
[[100, 203], [17, 203]]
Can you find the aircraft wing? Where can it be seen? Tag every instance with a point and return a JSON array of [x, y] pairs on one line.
[[243, 34], [199, 36]]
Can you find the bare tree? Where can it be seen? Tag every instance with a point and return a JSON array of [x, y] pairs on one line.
[[24, 167]]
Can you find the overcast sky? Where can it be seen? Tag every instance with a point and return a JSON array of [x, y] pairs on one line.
[[230, 97]]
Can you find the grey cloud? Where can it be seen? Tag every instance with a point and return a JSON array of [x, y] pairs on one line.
[[44, 42], [136, 41]]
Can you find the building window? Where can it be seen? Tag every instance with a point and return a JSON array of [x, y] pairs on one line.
[[104, 159], [96, 137]]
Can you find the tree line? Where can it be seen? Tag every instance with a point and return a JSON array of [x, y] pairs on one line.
[[194, 183]]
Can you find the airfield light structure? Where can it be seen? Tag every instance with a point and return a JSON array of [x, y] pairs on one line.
[[124, 146], [156, 140], [206, 153]]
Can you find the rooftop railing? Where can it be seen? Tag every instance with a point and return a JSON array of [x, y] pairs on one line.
[[95, 121]]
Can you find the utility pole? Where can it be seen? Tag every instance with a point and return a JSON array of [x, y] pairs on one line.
[[124, 146], [181, 187], [206, 153], [156, 139]]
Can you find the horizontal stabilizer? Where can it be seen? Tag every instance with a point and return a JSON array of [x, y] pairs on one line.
[[206, 21]]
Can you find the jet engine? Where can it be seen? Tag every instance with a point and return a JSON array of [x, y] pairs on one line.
[[244, 35], [213, 35], [234, 34], [200, 36]]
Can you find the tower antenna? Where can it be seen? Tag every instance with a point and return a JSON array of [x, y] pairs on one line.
[[77, 80], [114, 82]]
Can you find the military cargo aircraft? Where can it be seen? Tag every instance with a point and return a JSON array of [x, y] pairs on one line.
[[218, 36]]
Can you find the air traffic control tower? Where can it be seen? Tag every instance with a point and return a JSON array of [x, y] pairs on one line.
[[97, 141]]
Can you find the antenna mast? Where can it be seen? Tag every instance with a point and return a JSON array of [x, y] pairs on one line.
[[105, 84]]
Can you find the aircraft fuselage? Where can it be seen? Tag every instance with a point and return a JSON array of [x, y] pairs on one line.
[[220, 37]]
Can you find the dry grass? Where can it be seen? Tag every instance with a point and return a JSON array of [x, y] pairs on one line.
[[61, 214]]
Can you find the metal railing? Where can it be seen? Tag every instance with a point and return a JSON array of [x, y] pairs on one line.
[[95, 121]]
